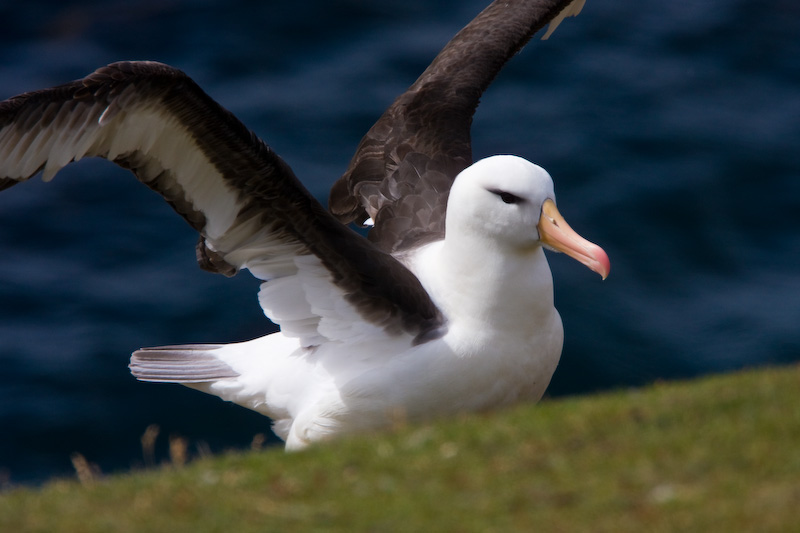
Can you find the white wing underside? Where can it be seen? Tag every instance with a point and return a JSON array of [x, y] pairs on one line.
[[298, 293]]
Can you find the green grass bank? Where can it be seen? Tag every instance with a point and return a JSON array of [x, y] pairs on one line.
[[714, 454]]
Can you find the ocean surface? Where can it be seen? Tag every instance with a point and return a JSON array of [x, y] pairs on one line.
[[671, 129]]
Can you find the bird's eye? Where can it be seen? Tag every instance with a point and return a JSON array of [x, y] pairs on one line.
[[507, 197]]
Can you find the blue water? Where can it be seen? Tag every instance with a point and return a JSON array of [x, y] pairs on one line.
[[672, 131]]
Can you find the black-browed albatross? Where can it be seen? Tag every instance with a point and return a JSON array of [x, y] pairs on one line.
[[447, 306]]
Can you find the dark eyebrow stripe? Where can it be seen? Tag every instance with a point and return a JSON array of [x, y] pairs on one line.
[[507, 197]]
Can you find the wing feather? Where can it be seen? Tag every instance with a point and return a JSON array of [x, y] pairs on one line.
[[406, 163], [250, 209]]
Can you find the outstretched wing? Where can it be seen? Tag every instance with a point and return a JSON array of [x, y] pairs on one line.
[[250, 209], [401, 173]]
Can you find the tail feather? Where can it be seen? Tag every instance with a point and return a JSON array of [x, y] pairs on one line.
[[190, 363]]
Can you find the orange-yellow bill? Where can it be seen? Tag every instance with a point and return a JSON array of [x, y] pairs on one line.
[[555, 233]]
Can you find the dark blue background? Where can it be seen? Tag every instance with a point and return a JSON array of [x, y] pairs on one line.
[[671, 129]]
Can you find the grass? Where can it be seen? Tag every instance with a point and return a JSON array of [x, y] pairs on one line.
[[716, 454]]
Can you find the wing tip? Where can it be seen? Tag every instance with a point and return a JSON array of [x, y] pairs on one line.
[[572, 9]]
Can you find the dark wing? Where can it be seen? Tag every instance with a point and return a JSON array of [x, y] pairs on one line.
[[250, 209], [401, 173]]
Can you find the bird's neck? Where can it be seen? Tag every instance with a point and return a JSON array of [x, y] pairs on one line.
[[480, 284]]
